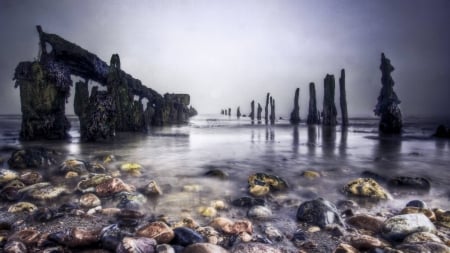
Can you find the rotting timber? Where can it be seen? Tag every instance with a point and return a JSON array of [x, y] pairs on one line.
[[45, 87]]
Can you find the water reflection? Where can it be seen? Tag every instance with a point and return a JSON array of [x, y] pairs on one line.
[[295, 140], [343, 143], [270, 134], [387, 151], [328, 140], [312, 137]]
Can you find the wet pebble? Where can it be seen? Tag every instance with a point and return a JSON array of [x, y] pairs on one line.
[[399, 226], [157, 230], [111, 186], [164, 248], [75, 237], [133, 169], [364, 242], [254, 247], [89, 200], [318, 212], [427, 212], [273, 233], [366, 222], [14, 246], [204, 248], [216, 173], [248, 202], [136, 245], [186, 236], [417, 203], [345, 248], [73, 165], [420, 237], [423, 247], [22, 207], [30, 177], [414, 184], [310, 174], [232, 227], [367, 188], [7, 175], [259, 213]]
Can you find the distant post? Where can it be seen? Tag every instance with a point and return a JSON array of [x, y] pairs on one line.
[[343, 98]]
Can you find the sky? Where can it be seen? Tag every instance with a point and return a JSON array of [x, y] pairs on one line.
[[227, 53]]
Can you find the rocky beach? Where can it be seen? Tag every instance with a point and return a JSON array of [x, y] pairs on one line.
[[224, 185]]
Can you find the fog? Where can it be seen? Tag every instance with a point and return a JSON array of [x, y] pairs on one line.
[[227, 53]]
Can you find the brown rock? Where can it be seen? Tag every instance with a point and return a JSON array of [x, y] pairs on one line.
[[345, 248], [204, 248], [422, 237], [364, 242], [366, 222], [254, 247], [157, 230], [423, 247]]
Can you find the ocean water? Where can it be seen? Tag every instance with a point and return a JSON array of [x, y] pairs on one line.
[[177, 157]]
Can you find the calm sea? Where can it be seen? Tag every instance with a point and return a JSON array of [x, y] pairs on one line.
[[178, 156]]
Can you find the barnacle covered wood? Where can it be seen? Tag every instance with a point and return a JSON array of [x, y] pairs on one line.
[[45, 86]]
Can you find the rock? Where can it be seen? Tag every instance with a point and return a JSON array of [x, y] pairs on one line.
[[164, 248], [295, 114], [430, 214], [318, 212], [273, 233], [248, 202], [232, 227], [427, 247], [259, 213], [185, 236], [216, 173], [343, 98], [204, 248], [345, 248], [157, 230], [254, 247], [364, 242], [414, 184], [310, 174], [208, 211], [416, 203], [329, 112], [420, 237], [366, 222], [313, 115], [400, 226], [387, 106], [31, 158], [260, 184], [89, 200], [442, 132], [366, 187], [133, 245]]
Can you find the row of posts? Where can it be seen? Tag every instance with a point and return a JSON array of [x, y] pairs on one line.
[[327, 117]]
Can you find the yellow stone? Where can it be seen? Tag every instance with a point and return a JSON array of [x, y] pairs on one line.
[[366, 187], [310, 174], [259, 190]]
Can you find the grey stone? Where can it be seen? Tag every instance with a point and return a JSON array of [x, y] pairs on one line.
[[400, 226]]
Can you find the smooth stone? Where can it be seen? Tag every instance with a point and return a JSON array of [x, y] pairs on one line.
[[90, 200], [367, 188], [310, 174], [420, 237], [216, 173], [185, 236], [157, 230], [416, 203], [208, 211], [273, 233], [318, 212], [134, 245], [259, 213], [398, 227], [248, 202], [427, 212], [364, 242], [254, 247], [366, 222], [164, 248], [428, 247], [232, 227], [204, 248], [345, 248], [415, 184]]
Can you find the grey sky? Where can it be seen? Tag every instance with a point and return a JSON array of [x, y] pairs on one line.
[[226, 53]]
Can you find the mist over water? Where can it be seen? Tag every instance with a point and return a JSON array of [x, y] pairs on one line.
[[178, 156]]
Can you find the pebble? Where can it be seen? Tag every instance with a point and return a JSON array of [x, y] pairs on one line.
[[89, 200], [185, 236], [248, 202], [420, 237], [134, 245], [366, 222], [318, 212], [273, 233], [364, 242], [259, 213], [426, 247], [398, 227], [310, 174], [416, 184], [254, 247], [345, 248], [230, 227], [204, 248], [367, 188], [164, 248], [313, 229], [417, 203], [157, 230], [208, 211], [430, 214]]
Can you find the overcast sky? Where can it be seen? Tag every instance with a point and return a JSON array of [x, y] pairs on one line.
[[226, 53]]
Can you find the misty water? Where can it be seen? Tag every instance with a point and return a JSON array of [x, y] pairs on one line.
[[177, 157]]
